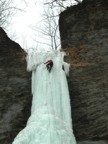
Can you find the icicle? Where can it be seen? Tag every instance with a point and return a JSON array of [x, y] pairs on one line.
[[66, 68]]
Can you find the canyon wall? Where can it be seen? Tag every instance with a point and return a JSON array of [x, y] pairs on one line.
[[15, 95], [84, 31]]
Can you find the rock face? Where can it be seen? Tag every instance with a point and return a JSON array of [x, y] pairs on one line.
[[15, 97], [84, 29]]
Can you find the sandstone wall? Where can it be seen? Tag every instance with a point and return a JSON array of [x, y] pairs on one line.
[[15, 97], [84, 29]]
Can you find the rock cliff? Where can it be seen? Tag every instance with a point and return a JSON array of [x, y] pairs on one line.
[[84, 30], [15, 97]]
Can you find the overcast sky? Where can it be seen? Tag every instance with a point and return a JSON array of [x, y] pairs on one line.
[[21, 27]]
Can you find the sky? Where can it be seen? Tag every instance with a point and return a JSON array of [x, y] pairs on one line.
[[20, 28], [24, 25]]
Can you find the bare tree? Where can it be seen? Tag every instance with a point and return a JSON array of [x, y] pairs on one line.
[[62, 3], [49, 28], [7, 10], [4, 11]]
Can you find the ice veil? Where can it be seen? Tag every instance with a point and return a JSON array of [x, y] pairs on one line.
[[50, 121]]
